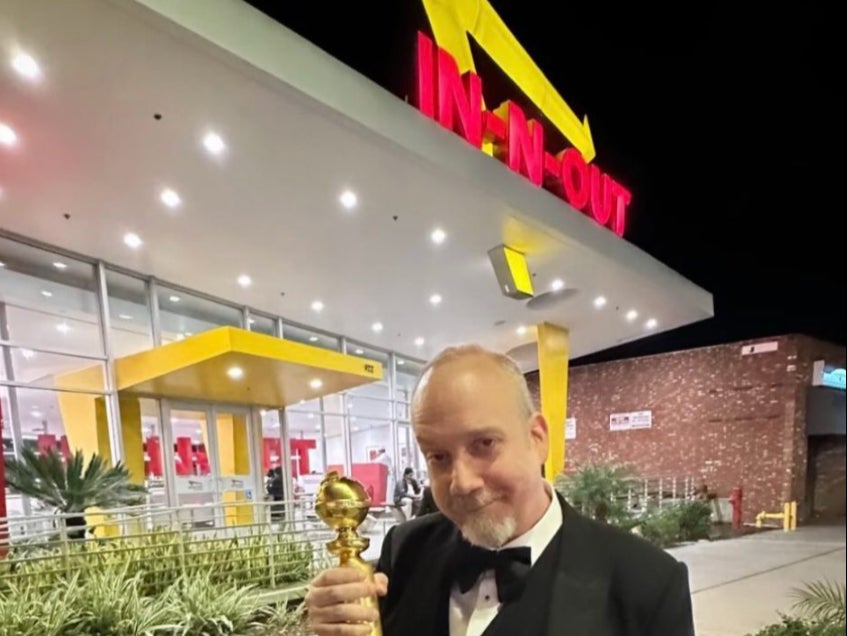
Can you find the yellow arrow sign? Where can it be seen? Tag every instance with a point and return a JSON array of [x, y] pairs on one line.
[[453, 20]]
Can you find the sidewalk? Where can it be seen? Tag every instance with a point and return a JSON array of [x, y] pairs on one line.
[[739, 585]]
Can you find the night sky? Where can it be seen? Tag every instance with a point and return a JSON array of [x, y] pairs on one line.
[[728, 129]]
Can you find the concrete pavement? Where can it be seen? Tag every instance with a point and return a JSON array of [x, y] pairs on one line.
[[740, 585]]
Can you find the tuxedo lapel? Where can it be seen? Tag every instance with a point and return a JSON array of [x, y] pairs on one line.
[[423, 606], [578, 596]]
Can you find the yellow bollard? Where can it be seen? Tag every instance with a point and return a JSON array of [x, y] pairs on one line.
[[793, 515]]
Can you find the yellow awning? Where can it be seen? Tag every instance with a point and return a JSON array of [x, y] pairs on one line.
[[273, 372]]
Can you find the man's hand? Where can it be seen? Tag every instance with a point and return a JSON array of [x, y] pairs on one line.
[[333, 604]]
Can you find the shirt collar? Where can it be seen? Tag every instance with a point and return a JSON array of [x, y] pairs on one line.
[[538, 537]]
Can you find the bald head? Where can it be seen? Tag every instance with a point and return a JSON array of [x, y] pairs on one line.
[[475, 360]]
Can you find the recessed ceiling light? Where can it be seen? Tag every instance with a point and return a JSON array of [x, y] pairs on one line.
[[236, 373], [557, 284], [313, 338], [438, 236], [521, 331], [36, 413], [311, 416], [348, 199], [317, 306], [316, 383], [60, 265], [251, 321], [133, 240], [28, 354], [355, 428], [214, 143], [419, 342], [376, 327], [651, 324], [2, 264], [401, 362], [631, 315], [63, 327], [125, 317], [174, 298], [245, 281], [8, 137], [600, 302], [46, 294], [26, 66], [435, 299], [359, 352], [170, 198]]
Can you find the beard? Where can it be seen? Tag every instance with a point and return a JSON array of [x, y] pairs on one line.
[[479, 525]]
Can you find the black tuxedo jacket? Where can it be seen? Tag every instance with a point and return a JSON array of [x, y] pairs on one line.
[[606, 582]]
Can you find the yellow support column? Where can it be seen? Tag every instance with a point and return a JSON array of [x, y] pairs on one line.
[[86, 424], [553, 354], [234, 456], [131, 433]]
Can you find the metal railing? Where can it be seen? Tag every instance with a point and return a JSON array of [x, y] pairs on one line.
[[265, 544], [649, 492]]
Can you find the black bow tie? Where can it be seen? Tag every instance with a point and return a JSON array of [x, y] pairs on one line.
[[511, 567]]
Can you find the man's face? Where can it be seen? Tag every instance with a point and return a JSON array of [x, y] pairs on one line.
[[483, 452]]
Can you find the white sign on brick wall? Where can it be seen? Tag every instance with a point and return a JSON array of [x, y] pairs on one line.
[[570, 428], [760, 347], [630, 421]]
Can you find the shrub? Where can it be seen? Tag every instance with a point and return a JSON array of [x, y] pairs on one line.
[[159, 558], [598, 491]]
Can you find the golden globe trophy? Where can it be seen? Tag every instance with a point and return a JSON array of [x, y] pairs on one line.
[[343, 504]]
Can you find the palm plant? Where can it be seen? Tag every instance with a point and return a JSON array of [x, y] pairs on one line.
[[73, 488], [823, 601], [598, 491]]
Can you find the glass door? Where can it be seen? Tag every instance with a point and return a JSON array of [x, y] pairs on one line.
[[213, 464]]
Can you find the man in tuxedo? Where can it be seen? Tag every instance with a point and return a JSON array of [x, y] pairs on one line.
[[505, 555]]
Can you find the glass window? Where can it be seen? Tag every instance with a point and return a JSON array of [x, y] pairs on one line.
[[407, 376], [409, 454], [307, 446], [56, 420], [130, 325], [367, 407], [182, 314], [374, 390], [364, 351], [309, 337], [368, 437], [334, 440], [6, 416], [261, 324], [154, 456], [48, 301], [332, 403], [47, 370]]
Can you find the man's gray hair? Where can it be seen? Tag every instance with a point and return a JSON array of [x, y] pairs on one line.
[[506, 364]]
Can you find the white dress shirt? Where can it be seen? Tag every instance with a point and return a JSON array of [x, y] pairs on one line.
[[473, 611]]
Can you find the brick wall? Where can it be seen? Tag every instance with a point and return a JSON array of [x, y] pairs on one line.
[[731, 419]]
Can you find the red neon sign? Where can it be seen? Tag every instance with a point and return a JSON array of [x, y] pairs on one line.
[[455, 101]]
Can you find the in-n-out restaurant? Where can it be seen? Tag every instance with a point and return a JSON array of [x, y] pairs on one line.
[[223, 251]]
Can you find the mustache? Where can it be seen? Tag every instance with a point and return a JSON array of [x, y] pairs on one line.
[[471, 502]]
